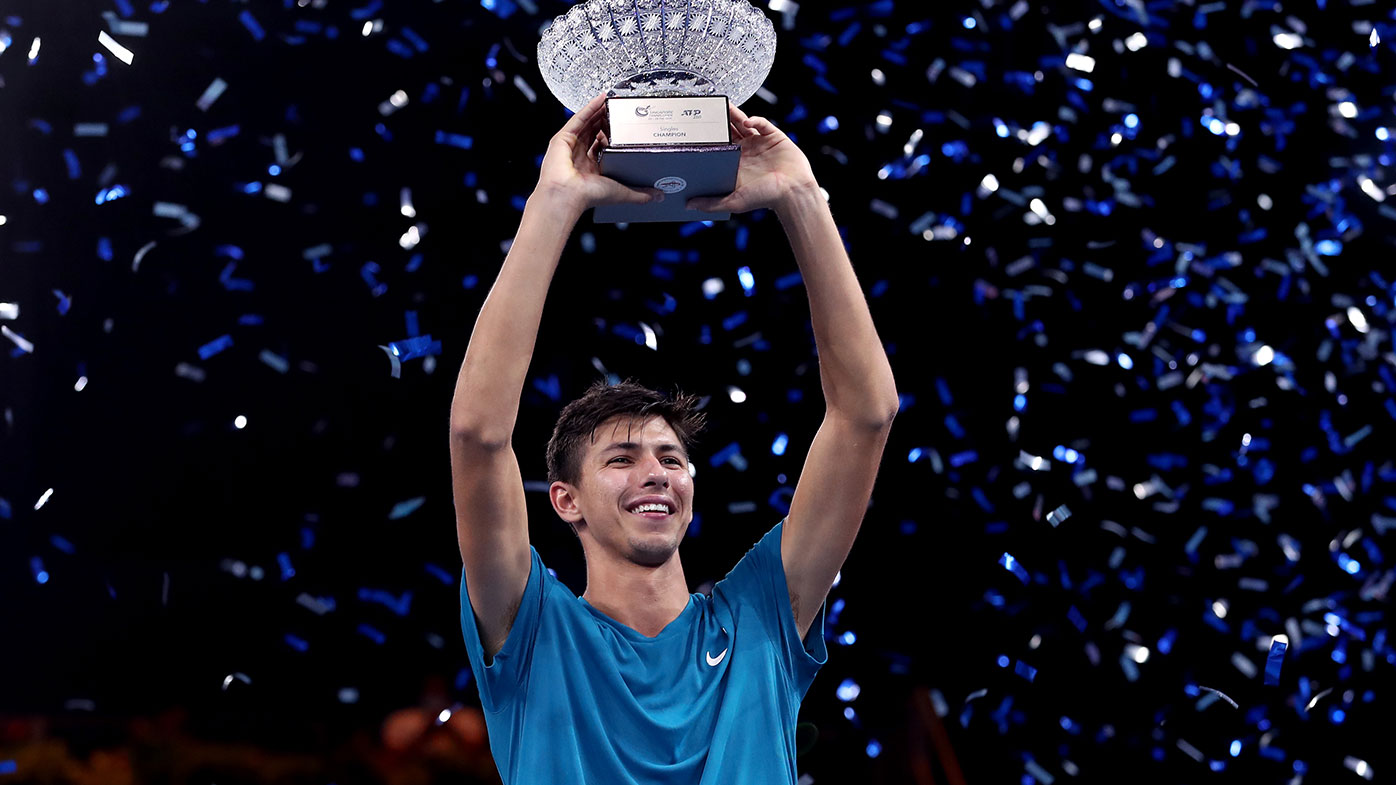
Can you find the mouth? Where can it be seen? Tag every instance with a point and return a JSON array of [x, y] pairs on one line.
[[652, 511]]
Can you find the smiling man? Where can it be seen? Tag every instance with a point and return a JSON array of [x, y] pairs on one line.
[[640, 681]]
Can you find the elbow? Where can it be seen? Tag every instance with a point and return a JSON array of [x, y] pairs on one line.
[[474, 437], [884, 423], [872, 419]]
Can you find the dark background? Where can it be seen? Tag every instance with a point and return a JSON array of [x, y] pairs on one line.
[[142, 618]]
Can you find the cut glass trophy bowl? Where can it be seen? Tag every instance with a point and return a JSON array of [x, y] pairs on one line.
[[657, 48]]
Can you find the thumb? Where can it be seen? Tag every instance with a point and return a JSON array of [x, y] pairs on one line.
[[624, 194], [707, 204]]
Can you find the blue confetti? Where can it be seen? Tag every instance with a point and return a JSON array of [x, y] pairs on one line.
[[1011, 564], [1274, 660], [403, 509], [215, 346], [251, 24]]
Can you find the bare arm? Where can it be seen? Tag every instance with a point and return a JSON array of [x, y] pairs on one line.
[[853, 367], [491, 514], [486, 402], [860, 395]]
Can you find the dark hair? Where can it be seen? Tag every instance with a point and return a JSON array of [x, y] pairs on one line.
[[580, 418]]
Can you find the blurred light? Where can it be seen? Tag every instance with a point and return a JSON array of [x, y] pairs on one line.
[[1357, 318], [736, 394], [1288, 41], [778, 446], [747, 280], [443, 716], [1370, 188], [1080, 62], [1264, 355], [240, 422], [1136, 42], [1125, 361], [82, 382], [1347, 109], [969, 23], [1235, 747], [43, 499], [847, 691]]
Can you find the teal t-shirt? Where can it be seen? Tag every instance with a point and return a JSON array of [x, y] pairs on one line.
[[577, 698]]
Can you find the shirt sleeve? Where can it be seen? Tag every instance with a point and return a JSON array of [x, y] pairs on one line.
[[507, 675], [758, 580]]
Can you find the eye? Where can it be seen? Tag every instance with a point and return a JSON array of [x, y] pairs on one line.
[[618, 458], [676, 461]]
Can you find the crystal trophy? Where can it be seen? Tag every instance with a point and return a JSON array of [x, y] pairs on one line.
[[669, 67]]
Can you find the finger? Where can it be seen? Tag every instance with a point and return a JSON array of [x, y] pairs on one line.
[[596, 146], [738, 133], [761, 125], [737, 115], [587, 115]]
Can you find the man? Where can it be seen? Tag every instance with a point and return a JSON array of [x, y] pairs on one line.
[[640, 681]]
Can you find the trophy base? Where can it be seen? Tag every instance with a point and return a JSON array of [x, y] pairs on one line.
[[682, 172]]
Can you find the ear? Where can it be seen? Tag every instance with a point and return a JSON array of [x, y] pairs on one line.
[[564, 500]]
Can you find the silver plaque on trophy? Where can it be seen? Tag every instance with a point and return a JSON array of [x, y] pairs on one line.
[[670, 67]]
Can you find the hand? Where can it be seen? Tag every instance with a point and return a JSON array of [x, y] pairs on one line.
[[570, 170], [771, 170]]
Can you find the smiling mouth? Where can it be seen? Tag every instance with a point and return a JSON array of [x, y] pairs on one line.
[[653, 515]]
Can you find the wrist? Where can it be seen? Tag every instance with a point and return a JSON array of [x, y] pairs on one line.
[[799, 200], [557, 202]]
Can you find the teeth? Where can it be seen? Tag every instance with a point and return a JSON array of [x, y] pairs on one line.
[[651, 508]]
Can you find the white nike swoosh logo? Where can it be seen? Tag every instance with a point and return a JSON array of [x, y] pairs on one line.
[[712, 661]]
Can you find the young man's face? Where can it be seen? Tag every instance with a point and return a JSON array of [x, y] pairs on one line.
[[627, 464]]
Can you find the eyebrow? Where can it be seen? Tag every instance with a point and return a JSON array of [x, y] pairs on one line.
[[666, 447]]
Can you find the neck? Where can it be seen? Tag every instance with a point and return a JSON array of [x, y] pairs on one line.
[[643, 598]]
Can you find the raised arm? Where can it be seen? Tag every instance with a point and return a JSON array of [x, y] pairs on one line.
[[860, 395], [491, 520]]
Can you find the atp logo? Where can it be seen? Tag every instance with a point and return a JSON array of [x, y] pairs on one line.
[[642, 111]]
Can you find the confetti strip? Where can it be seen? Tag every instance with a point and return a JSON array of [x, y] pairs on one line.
[[122, 53]]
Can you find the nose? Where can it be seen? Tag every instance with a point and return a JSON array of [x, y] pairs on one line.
[[656, 474]]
